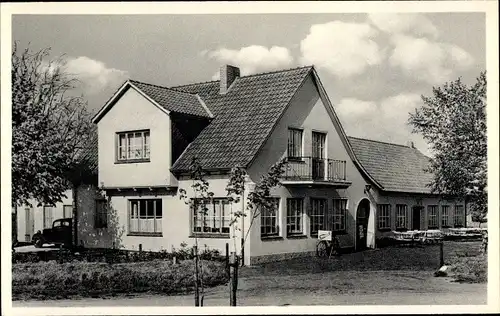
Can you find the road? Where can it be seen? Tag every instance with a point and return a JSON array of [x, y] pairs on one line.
[[31, 248], [332, 288]]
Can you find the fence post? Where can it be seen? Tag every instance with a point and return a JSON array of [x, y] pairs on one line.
[[441, 254], [60, 254], [227, 260], [234, 278], [196, 281], [242, 252]]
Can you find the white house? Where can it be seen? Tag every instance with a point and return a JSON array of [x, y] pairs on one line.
[[361, 189], [148, 136]]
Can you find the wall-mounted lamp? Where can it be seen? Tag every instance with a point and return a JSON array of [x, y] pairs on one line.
[[368, 188]]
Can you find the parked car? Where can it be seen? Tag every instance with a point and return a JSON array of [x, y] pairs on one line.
[[59, 234]]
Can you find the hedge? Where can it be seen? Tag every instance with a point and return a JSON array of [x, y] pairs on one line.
[[51, 280]]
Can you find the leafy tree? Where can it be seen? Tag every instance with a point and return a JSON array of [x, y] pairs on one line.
[[453, 122], [201, 197], [50, 128], [258, 200]]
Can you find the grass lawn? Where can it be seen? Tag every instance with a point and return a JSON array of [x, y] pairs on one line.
[[391, 275], [467, 262], [402, 258]]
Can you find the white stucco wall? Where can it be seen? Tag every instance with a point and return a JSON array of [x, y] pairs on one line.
[[413, 200], [176, 220], [134, 112], [307, 111]]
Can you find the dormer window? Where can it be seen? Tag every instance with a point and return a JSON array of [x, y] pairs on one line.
[[133, 146]]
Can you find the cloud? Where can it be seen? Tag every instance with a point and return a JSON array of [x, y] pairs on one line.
[[384, 120], [252, 59], [427, 60], [404, 23], [94, 75], [344, 49]]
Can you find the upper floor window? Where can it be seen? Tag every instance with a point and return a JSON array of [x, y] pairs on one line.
[[294, 143], [133, 146]]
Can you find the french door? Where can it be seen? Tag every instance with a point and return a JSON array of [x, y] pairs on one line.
[[318, 155]]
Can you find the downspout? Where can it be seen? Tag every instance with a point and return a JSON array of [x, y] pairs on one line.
[[75, 216], [243, 227]]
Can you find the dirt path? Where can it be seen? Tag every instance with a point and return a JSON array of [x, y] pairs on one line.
[[331, 288]]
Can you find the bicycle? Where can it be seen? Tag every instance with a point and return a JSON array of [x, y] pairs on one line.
[[328, 245]]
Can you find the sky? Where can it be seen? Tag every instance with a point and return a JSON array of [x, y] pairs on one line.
[[374, 67]]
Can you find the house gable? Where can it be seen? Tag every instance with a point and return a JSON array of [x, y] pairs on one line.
[[118, 95], [244, 117], [133, 112]]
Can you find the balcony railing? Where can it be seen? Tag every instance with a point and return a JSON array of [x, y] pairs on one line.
[[315, 169]]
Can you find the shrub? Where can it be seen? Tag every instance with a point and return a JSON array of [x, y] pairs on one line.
[[470, 269], [52, 280], [115, 255]]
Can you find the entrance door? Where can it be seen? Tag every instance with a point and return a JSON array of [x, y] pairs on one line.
[[362, 216], [30, 224], [416, 217], [318, 155]]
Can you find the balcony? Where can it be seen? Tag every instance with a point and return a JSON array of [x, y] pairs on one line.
[[311, 170]]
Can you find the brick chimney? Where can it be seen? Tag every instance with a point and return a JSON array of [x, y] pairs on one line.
[[228, 74], [410, 144]]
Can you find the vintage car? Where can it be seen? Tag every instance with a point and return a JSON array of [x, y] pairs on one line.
[[59, 234]]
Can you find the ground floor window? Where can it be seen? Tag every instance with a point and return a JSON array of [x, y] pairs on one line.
[[401, 216], [212, 217], [67, 211], [269, 219], [317, 216], [432, 211], [294, 216], [384, 216], [445, 216], [339, 215], [145, 216], [459, 216], [101, 214], [48, 216]]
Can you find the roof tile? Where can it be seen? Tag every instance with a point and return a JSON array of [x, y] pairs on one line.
[[173, 100], [396, 167], [244, 117]]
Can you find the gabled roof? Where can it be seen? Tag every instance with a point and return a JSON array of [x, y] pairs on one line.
[[167, 100], [397, 168], [243, 117], [174, 100]]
